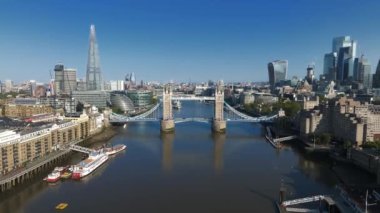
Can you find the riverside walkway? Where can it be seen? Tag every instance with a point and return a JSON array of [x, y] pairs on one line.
[[19, 175]]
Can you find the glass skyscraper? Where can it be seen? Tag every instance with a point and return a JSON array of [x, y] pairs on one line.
[[94, 76], [329, 63], [362, 72], [376, 77], [339, 64], [277, 71]]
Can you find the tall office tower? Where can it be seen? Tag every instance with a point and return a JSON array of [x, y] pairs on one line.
[[65, 80], [116, 85], [362, 72], [8, 85], [277, 71], [342, 41], [32, 87], [133, 79], [310, 74], [376, 77], [127, 82], [346, 49], [94, 76], [329, 66]]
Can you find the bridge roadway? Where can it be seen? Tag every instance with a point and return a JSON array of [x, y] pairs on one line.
[[147, 116], [193, 98]]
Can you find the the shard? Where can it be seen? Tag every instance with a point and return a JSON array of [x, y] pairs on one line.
[[94, 75]]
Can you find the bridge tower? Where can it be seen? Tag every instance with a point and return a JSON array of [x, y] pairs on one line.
[[167, 122], [219, 124]]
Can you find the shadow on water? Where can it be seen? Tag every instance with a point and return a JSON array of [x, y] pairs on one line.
[[264, 196]]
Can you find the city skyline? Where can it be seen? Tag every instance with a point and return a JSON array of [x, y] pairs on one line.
[[179, 40]]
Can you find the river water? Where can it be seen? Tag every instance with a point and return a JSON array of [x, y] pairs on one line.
[[191, 170]]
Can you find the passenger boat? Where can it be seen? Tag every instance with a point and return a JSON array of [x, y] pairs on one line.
[[85, 167], [177, 104], [53, 177], [114, 149], [66, 175]]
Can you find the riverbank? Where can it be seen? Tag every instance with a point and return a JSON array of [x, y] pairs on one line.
[[42, 165], [104, 135], [345, 170]]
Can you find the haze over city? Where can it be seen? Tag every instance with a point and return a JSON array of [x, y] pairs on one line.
[[180, 40]]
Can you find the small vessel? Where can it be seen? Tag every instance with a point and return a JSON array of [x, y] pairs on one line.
[[125, 126], [66, 175], [176, 104], [114, 149], [85, 167], [53, 177], [61, 206]]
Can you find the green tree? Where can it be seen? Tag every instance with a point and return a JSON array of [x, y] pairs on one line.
[[324, 138]]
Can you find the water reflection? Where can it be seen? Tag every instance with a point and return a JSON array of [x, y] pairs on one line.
[[167, 151], [219, 140]]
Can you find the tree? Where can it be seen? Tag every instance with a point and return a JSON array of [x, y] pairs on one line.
[[347, 144], [291, 108], [324, 138]]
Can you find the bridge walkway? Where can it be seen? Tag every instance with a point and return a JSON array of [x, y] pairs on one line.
[[81, 149]]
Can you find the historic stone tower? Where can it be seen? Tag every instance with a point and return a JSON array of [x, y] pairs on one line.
[[219, 124], [167, 122]]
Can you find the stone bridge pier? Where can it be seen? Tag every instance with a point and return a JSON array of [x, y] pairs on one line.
[[167, 122], [219, 124]]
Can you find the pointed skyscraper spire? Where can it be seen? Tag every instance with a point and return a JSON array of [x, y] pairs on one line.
[[94, 75]]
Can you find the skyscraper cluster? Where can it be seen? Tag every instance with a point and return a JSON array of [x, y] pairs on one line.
[[130, 80], [342, 65]]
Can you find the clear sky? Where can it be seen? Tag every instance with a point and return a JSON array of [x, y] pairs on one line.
[[181, 40]]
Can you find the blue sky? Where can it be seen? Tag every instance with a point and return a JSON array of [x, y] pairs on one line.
[[180, 40]]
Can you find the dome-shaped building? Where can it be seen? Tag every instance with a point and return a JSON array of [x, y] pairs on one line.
[[122, 102]]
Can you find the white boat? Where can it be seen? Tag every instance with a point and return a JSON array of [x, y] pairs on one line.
[[176, 104], [114, 149], [53, 177], [85, 167]]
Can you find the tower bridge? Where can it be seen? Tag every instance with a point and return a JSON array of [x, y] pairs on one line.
[[223, 112]]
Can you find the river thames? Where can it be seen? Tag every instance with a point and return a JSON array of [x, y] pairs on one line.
[[192, 170]]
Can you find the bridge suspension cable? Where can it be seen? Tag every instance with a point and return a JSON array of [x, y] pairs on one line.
[[243, 116], [149, 115]]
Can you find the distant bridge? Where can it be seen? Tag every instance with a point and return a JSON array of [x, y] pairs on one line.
[[152, 115], [223, 112]]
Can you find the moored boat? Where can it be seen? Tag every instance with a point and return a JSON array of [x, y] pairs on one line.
[[53, 177], [66, 175], [114, 149], [177, 104], [85, 167]]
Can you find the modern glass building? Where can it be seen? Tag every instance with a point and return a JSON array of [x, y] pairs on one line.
[[343, 64], [65, 79], [277, 71], [343, 41], [140, 98], [362, 72], [376, 77], [100, 99], [346, 48], [329, 65], [122, 102], [94, 76]]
